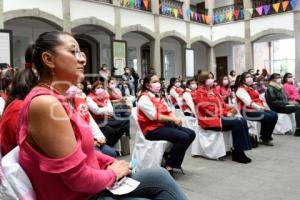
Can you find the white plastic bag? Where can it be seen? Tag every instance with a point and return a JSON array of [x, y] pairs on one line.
[[14, 182]]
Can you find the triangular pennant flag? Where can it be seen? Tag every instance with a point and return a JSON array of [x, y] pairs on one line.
[[187, 12], [207, 19], [250, 11], [242, 13], [266, 9], [197, 16], [164, 9], [169, 10], [259, 10], [285, 5], [294, 4], [216, 19], [180, 12], [146, 4], [138, 4], [125, 3], [131, 3], [222, 17], [203, 18], [276, 7], [236, 14], [192, 14], [175, 12], [229, 15]]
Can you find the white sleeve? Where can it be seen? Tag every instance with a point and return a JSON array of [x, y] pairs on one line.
[[173, 93], [95, 109], [147, 107], [97, 133], [243, 95], [189, 101], [2, 105]]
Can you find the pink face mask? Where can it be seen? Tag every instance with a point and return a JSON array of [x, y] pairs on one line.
[[71, 92], [155, 87], [209, 82], [249, 81], [225, 82], [100, 93]]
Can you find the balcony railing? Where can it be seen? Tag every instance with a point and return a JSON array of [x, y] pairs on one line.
[[103, 1], [261, 8], [171, 8], [228, 14], [137, 4], [199, 15]]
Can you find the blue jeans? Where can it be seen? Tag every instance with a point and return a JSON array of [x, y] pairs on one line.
[[107, 150], [181, 139], [150, 188], [268, 121]]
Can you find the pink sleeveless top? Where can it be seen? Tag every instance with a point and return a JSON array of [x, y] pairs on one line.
[[79, 175]]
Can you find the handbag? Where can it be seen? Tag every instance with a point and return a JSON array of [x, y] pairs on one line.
[[125, 145]]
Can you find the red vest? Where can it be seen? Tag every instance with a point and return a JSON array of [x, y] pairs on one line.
[[180, 92], [115, 94], [145, 123], [100, 103], [254, 95], [82, 108]]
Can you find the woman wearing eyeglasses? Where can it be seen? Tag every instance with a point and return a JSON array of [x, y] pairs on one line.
[[254, 108], [56, 147]]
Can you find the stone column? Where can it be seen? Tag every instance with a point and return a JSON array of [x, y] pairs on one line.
[[66, 15], [155, 53], [210, 5], [118, 26], [212, 61], [297, 41], [1, 15], [248, 43]]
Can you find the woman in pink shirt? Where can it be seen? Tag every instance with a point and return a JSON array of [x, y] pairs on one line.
[[223, 88], [290, 89], [56, 143]]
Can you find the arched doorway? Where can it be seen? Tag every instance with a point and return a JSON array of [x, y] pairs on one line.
[[25, 31]]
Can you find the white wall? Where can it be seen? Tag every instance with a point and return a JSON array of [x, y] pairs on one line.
[[200, 56], [221, 3], [200, 30], [225, 49], [129, 17], [280, 21], [168, 24], [50, 6], [85, 9], [236, 29]]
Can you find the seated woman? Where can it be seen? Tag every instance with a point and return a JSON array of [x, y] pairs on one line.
[[277, 99], [61, 150], [290, 89], [175, 91], [188, 106], [159, 123], [254, 109], [214, 114], [223, 89], [20, 85], [102, 111]]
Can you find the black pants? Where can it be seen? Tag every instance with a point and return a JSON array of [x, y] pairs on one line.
[[180, 137], [113, 129], [285, 109], [268, 121], [239, 130]]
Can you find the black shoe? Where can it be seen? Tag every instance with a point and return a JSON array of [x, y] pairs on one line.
[[240, 157], [267, 143]]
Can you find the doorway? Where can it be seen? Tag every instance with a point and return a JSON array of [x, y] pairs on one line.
[[222, 66]]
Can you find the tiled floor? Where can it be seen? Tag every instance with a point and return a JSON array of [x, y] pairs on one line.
[[274, 174]]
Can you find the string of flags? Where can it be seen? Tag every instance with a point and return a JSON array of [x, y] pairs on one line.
[[229, 15], [136, 4]]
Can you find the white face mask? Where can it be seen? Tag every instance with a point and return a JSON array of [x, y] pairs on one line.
[[290, 80], [193, 86], [225, 82], [209, 82], [278, 81], [177, 84]]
